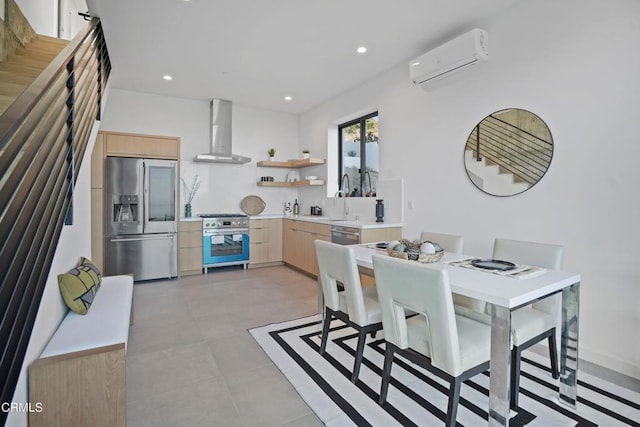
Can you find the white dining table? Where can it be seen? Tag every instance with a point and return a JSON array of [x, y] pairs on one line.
[[505, 294]]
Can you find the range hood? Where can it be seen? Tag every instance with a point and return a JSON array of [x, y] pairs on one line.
[[221, 136]]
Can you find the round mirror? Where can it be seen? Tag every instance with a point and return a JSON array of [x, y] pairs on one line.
[[508, 152]]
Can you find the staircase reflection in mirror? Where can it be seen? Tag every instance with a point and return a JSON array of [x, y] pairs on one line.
[[508, 152]]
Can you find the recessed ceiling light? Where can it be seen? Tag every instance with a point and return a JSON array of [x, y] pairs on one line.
[[167, 77], [361, 49], [288, 98]]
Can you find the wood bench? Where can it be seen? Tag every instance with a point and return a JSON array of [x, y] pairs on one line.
[[80, 376]]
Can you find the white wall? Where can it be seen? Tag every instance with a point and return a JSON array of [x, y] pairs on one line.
[[223, 185], [74, 242], [41, 14], [70, 22], [574, 64]]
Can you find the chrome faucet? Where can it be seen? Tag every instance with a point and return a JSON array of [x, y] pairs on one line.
[[344, 194], [342, 186], [370, 192]]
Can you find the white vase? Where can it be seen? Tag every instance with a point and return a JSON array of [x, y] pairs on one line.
[[272, 158], [305, 155]]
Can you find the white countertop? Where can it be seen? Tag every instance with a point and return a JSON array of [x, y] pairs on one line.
[[193, 218], [327, 220]]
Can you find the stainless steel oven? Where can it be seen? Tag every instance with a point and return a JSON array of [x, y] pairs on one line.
[[225, 240]]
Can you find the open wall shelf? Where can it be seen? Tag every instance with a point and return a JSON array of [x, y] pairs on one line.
[[292, 163], [303, 183]]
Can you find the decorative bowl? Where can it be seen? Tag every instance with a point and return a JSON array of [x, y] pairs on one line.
[[423, 258], [411, 250]]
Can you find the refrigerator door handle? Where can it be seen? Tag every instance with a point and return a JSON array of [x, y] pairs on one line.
[[145, 194], [139, 239]]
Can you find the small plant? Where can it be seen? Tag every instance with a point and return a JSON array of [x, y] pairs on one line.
[[306, 151], [271, 152]]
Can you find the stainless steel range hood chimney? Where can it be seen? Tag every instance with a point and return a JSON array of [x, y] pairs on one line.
[[221, 136]]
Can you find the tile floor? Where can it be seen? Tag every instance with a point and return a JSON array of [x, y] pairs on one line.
[[191, 361]]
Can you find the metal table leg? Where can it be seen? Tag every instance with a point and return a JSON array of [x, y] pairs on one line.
[[569, 345], [500, 366]]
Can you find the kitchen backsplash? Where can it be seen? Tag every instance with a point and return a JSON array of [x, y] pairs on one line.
[[392, 192]]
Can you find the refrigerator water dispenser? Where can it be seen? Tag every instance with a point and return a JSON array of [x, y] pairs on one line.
[[125, 208]]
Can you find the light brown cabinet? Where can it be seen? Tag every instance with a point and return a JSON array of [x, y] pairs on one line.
[[265, 242], [298, 243], [134, 145], [189, 248], [370, 235], [97, 202]]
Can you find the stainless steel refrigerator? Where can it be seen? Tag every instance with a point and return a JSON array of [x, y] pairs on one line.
[[141, 221]]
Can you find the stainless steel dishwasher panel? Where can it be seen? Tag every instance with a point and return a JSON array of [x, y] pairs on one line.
[[147, 256], [345, 235]]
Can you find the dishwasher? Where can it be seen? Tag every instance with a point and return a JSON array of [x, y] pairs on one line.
[[345, 235]]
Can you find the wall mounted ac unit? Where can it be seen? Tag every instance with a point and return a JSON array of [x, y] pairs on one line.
[[450, 58]]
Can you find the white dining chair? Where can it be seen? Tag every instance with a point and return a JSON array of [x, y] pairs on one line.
[[449, 242], [454, 243], [452, 347], [356, 306], [536, 322]]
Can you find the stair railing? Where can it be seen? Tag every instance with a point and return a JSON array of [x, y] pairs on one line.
[[513, 149], [43, 137]]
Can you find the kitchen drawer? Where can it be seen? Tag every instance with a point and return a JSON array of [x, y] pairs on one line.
[[380, 234], [190, 239], [190, 259], [321, 229], [190, 226], [259, 252], [265, 241], [259, 235]]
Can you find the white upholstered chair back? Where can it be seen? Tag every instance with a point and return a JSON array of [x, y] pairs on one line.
[[529, 253], [405, 284], [337, 263], [535, 254], [454, 243], [449, 242]]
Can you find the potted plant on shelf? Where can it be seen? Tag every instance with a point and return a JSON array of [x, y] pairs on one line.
[[306, 154], [272, 153]]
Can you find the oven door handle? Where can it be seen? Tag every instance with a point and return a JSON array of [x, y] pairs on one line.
[[140, 239], [225, 231]]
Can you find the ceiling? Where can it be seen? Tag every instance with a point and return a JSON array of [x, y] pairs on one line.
[[256, 52]]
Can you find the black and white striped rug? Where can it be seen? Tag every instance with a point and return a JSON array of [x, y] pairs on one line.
[[418, 398]]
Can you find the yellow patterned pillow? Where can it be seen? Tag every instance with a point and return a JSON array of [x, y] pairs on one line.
[[79, 286], [95, 272]]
